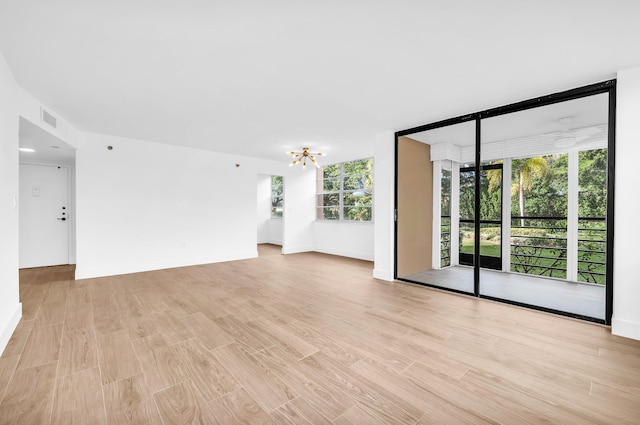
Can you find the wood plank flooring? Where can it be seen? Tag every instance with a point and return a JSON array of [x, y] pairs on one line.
[[300, 339]]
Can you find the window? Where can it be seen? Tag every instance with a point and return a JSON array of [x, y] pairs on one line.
[[345, 191], [277, 197], [445, 216]]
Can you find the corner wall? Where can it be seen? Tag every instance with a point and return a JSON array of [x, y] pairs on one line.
[[383, 205], [626, 295], [10, 307]]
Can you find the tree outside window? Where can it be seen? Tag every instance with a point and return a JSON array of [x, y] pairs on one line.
[[345, 191], [277, 197]]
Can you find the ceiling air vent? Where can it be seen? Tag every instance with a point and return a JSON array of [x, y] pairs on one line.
[[48, 118]]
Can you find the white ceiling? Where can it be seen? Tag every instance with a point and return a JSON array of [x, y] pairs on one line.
[[586, 112], [47, 147], [263, 77]]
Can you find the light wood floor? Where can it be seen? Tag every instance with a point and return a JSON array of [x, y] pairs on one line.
[[300, 339]]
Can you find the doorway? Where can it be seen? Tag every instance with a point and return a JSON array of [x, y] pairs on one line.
[[270, 209], [490, 216], [46, 198]]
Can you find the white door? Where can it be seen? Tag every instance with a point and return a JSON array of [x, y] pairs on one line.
[[44, 215]]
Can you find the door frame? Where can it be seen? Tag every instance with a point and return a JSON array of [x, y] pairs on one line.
[[70, 203], [609, 87], [485, 261]]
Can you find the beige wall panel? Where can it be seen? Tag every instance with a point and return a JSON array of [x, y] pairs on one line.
[[415, 207]]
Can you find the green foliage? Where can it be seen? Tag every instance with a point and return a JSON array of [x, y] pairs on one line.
[[541, 183], [358, 190], [331, 171], [490, 233], [467, 197], [539, 246], [547, 194], [592, 180], [527, 170], [592, 202], [329, 213], [277, 196], [490, 195], [347, 189], [445, 192]]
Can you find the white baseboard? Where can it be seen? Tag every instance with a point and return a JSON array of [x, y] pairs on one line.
[[625, 328], [10, 327], [383, 275], [92, 272], [296, 249]]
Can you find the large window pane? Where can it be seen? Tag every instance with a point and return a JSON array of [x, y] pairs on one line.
[[357, 213], [539, 215], [331, 185], [557, 234], [346, 191], [357, 199], [445, 216], [467, 192], [329, 200], [277, 197], [331, 171], [328, 213]]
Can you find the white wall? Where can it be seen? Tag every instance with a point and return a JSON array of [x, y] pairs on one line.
[[275, 230], [345, 238], [384, 180], [145, 206], [299, 210], [626, 296], [10, 307], [264, 207]]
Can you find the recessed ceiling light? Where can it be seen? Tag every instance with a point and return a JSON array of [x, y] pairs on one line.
[[27, 150]]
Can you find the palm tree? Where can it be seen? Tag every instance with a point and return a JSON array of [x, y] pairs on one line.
[[527, 171]]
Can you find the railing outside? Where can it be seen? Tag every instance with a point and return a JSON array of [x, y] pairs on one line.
[[539, 247], [592, 246], [445, 240]]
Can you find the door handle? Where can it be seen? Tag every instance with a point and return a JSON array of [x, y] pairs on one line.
[[63, 219]]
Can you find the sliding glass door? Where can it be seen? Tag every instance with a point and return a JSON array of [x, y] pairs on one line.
[[518, 203], [557, 237]]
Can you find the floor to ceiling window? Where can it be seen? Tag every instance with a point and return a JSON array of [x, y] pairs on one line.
[[533, 228]]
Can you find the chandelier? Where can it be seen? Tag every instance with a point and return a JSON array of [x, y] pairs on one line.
[[302, 157]]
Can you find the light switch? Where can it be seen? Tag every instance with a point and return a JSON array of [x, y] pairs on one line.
[[35, 190]]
